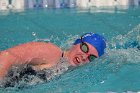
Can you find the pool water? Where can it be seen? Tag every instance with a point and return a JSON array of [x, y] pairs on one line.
[[117, 71]]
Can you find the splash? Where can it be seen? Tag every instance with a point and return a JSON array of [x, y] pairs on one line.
[[129, 40], [121, 50], [24, 75], [40, 39]]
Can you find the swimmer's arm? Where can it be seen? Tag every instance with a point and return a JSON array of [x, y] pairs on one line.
[[6, 61], [27, 54], [41, 67], [40, 64]]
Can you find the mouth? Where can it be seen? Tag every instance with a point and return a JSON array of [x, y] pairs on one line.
[[77, 60]]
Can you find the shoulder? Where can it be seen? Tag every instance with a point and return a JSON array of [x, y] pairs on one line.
[[44, 45], [38, 44], [33, 46]]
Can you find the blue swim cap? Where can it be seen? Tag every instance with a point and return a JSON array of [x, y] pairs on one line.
[[95, 40]]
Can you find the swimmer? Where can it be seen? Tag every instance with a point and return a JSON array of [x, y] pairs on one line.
[[42, 55]]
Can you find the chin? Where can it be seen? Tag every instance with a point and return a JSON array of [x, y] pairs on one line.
[[72, 63]]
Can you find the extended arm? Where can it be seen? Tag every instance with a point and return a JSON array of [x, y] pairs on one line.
[[38, 54]]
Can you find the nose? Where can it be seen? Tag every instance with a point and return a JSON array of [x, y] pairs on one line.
[[84, 58]]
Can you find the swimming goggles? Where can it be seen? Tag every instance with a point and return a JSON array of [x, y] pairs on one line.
[[84, 48]]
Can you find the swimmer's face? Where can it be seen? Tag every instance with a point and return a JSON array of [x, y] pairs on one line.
[[82, 53]]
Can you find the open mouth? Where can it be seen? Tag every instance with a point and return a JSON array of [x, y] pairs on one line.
[[77, 60]]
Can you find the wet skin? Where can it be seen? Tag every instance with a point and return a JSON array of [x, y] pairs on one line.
[[41, 55]]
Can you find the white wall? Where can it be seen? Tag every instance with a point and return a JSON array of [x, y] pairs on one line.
[[18, 4], [123, 2], [3, 4], [98, 3], [82, 3], [111, 2]]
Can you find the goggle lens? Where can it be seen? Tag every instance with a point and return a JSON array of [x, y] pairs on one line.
[[91, 57], [84, 47]]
